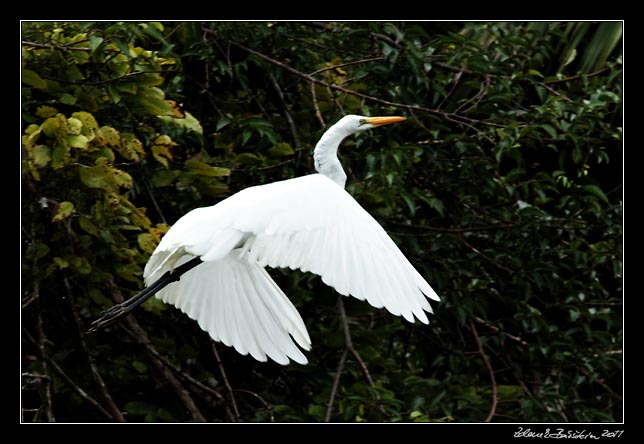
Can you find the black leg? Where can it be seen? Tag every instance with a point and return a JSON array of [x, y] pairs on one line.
[[118, 311]]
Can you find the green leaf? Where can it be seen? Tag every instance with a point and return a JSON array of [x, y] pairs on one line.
[[88, 226], [221, 123], [596, 191], [94, 42], [139, 408], [248, 159], [534, 72], [140, 367], [129, 272], [32, 79], [68, 99], [281, 149]]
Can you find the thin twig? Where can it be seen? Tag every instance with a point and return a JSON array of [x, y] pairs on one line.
[[342, 65], [492, 227], [454, 117], [148, 188], [111, 405], [352, 349], [496, 329], [318, 114], [268, 406], [457, 79], [82, 393], [580, 76], [287, 113], [226, 382], [48, 407], [334, 387], [555, 92], [62, 48], [484, 256], [490, 370], [101, 82]]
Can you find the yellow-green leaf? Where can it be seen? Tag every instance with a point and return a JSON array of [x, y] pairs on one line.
[[46, 111], [203, 169], [65, 209], [75, 126], [62, 263], [60, 155], [104, 176], [77, 141], [41, 155], [146, 242], [189, 122], [55, 126], [109, 136], [131, 148], [89, 122]]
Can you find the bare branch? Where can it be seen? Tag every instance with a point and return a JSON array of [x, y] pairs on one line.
[[334, 387], [490, 370], [111, 405], [226, 383]]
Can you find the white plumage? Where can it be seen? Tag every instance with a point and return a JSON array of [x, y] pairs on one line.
[[309, 223]]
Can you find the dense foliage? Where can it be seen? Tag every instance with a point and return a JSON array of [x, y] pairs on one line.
[[503, 188]]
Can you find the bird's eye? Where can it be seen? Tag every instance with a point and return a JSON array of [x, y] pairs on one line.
[[362, 122]]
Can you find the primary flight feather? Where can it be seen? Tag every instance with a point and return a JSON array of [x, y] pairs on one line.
[[211, 263]]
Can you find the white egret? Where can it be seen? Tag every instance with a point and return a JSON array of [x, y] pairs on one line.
[[211, 263]]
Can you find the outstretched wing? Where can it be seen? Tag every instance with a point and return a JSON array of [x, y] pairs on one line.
[[308, 223]]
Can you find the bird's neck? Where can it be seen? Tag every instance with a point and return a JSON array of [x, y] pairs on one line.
[[326, 159]]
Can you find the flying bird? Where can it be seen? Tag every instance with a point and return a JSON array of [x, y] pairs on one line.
[[212, 263]]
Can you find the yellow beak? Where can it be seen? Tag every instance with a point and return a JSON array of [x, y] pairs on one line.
[[379, 121]]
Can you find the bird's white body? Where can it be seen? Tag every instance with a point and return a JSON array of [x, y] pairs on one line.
[[309, 223]]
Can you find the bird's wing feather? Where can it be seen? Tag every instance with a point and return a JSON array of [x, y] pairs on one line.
[[239, 304], [313, 224]]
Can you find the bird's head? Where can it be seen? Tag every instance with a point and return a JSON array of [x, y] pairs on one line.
[[353, 123]]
